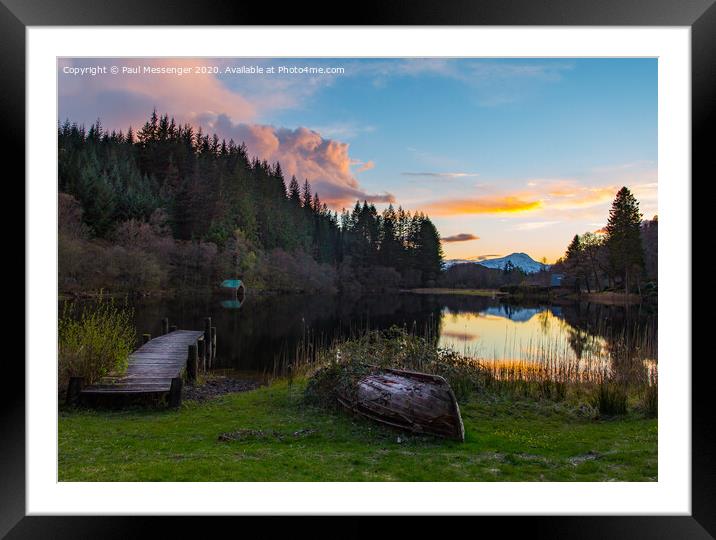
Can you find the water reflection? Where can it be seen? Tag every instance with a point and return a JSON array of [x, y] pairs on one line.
[[262, 333], [231, 304], [502, 332]]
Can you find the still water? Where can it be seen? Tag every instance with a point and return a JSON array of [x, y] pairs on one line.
[[263, 333]]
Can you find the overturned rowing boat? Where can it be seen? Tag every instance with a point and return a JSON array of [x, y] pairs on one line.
[[417, 402]]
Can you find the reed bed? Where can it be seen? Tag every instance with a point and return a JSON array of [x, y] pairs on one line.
[[613, 373]]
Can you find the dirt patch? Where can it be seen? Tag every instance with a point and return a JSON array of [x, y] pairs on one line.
[[589, 456], [259, 434], [216, 386]]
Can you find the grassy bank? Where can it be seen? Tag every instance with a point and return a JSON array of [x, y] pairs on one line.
[[273, 436], [466, 292]]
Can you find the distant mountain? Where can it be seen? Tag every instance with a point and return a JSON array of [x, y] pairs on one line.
[[452, 262], [519, 260]]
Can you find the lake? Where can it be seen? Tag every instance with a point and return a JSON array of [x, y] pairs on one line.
[[263, 334]]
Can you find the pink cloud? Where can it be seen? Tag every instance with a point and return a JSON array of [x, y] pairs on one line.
[[127, 99], [203, 100], [368, 165], [306, 154]]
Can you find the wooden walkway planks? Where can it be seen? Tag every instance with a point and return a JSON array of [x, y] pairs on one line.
[[151, 368]]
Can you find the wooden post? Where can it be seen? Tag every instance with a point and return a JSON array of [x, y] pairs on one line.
[[207, 337], [201, 344], [173, 328], [213, 344], [146, 338], [74, 387], [191, 362], [175, 392], [165, 325]]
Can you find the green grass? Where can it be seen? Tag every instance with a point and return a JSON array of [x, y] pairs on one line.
[[506, 440]]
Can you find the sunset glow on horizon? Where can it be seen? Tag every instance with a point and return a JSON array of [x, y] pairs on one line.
[[504, 155]]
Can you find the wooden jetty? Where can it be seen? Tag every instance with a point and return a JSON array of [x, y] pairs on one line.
[[156, 371]]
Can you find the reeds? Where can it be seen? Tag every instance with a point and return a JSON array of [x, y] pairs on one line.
[[650, 397], [608, 369]]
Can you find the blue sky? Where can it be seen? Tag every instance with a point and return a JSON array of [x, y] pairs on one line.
[[517, 154]]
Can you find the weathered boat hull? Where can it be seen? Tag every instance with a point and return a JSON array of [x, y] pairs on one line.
[[417, 402]]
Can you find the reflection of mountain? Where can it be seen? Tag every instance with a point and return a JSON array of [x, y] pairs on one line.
[[517, 314]]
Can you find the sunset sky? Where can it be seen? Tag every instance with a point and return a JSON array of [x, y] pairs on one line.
[[504, 155]]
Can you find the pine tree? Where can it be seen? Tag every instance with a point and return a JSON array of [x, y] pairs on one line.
[[316, 203], [430, 252], [390, 245], [307, 197], [623, 239], [294, 191]]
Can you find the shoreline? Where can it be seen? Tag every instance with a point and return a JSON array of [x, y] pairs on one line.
[[608, 298], [557, 296], [490, 293]]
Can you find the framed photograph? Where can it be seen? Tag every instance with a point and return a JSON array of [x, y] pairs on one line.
[[424, 265]]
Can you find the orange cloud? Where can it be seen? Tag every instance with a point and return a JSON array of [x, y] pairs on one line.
[[546, 195], [462, 237], [579, 197], [506, 204], [569, 194]]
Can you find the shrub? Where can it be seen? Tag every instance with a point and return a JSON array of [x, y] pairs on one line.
[[94, 340], [610, 398]]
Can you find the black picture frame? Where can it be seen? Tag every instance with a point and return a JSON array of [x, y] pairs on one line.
[[699, 15]]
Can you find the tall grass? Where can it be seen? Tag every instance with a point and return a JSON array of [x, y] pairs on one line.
[[609, 370], [610, 398], [94, 339], [650, 397]]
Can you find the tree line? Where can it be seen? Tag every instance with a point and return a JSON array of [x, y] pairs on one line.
[[623, 257], [476, 276], [170, 206]]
